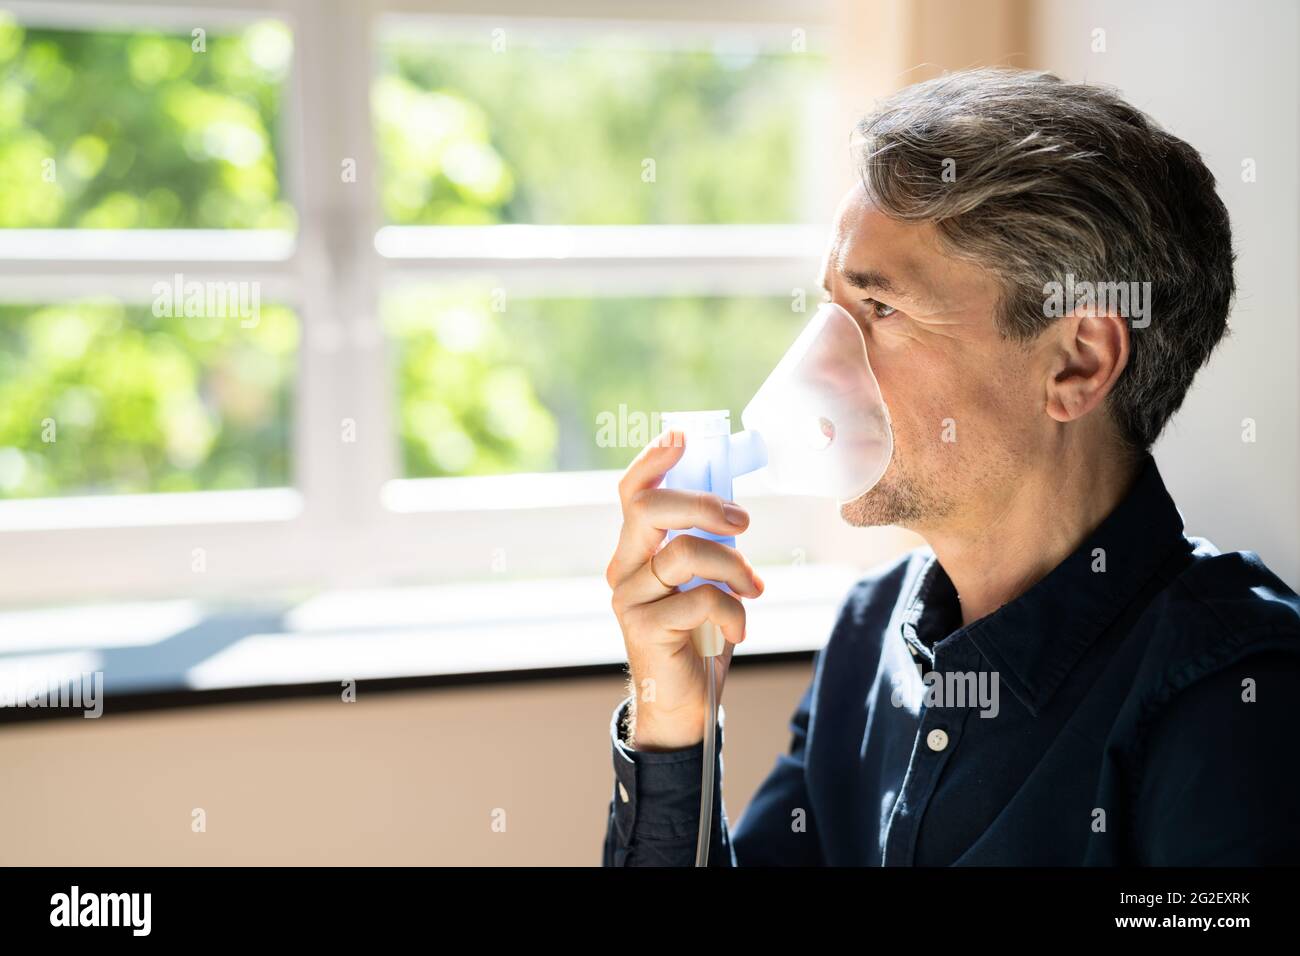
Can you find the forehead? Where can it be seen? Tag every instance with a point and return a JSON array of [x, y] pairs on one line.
[[865, 239]]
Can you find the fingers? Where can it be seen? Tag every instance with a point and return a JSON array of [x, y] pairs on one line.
[[661, 621], [680, 560], [652, 512], [651, 464]]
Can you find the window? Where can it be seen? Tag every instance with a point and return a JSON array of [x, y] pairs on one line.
[[113, 129], [97, 397], [484, 251], [659, 127], [122, 134], [667, 134]]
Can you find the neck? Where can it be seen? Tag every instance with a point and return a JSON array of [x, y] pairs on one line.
[[1007, 543]]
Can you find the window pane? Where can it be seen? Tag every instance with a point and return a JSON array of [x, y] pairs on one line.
[[99, 397], [113, 130], [591, 128], [567, 384]]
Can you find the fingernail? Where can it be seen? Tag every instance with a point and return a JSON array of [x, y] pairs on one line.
[[758, 583], [735, 515]]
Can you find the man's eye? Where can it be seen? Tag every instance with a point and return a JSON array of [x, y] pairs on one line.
[[879, 309]]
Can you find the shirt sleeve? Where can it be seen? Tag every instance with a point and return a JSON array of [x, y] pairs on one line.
[[1222, 770], [655, 811], [654, 815]]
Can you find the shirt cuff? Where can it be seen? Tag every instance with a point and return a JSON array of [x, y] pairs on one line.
[[657, 792]]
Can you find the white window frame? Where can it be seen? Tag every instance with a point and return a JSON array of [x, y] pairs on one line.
[[350, 518]]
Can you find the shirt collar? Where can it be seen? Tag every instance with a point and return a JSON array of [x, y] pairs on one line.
[[1033, 641], [932, 610]]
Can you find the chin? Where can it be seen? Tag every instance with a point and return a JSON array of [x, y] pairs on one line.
[[891, 501], [872, 508]]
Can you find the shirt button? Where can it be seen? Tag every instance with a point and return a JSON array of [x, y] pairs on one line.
[[622, 792], [937, 740]]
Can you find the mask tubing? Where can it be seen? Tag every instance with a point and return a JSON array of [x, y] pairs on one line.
[[710, 754]]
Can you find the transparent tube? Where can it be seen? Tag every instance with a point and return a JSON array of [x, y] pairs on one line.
[[710, 757]]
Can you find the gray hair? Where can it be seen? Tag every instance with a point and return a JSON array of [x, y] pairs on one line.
[[1055, 179]]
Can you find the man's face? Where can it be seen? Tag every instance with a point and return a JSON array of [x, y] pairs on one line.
[[965, 403]]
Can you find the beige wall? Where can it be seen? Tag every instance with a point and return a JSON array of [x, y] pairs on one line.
[[408, 777]]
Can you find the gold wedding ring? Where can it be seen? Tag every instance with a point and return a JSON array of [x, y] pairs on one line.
[[668, 587]]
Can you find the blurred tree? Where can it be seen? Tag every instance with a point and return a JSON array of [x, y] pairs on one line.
[[107, 130], [98, 398], [139, 130], [561, 133]]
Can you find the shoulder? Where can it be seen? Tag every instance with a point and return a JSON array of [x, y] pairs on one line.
[[1223, 619], [1236, 590], [1207, 722], [1219, 608]]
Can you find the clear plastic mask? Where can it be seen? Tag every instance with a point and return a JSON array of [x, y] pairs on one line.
[[822, 425]]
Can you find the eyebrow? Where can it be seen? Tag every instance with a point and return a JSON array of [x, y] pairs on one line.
[[871, 280]]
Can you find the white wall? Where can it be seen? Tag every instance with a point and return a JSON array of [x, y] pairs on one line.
[[1223, 77]]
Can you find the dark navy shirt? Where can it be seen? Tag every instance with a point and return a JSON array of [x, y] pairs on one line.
[[1134, 707]]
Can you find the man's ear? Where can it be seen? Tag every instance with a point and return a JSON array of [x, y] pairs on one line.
[[1090, 353]]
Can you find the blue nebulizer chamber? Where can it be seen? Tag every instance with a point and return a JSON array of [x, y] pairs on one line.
[[712, 459]]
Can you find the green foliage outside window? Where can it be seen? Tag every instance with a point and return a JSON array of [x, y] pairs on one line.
[[118, 130]]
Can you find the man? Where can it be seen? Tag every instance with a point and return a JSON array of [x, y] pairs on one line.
[[1061, 676]]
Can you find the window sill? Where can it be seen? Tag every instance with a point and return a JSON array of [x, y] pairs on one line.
[[171, 654]]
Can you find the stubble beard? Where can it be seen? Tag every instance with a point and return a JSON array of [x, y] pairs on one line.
[[894, 500]]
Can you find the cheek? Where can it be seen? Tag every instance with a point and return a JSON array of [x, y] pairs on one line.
[[993, 402], [951, 402], [920, 390]]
